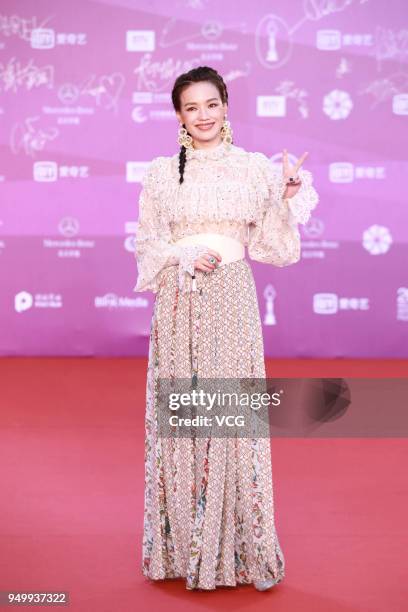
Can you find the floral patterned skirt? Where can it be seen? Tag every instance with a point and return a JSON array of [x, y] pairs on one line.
[[208, 507]]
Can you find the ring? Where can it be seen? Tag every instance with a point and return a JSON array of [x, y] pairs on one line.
[[212, 260], [293, 180]]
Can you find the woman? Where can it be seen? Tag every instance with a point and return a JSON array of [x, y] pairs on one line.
[[209, 512]]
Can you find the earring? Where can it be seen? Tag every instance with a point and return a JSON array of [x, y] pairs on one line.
[[226, 131], [184, 139]]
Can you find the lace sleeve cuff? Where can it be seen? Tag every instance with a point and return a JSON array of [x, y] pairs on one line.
[[304, 201], [188, 255]]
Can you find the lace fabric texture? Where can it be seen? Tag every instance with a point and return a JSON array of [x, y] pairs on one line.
[[187, 258], [226, 190]]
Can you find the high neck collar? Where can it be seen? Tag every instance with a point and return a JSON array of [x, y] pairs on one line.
[[217, 152]]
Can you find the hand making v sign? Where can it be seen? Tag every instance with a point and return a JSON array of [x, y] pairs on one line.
[[293, 181]]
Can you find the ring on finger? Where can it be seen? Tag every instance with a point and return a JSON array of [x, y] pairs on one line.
[[293, 180]]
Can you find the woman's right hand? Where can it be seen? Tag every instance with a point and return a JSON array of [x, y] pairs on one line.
[[202, 263]]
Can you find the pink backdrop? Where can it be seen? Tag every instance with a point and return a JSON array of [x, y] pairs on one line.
[[85, 105]]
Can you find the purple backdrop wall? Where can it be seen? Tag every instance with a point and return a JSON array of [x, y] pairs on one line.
[[85, 105]]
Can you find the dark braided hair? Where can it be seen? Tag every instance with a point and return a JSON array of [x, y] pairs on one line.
[[196, 75]]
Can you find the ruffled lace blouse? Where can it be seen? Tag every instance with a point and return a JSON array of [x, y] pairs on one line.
[[226, 190]]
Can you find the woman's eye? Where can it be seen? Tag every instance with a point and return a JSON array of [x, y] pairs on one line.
[[194, 108]]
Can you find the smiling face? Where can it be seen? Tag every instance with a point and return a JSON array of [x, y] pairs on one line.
[[203, 113]]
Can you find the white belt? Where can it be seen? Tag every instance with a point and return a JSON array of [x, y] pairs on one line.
[[229, 248]]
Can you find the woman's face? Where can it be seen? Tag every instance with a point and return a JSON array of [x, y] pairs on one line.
[[202, 112]]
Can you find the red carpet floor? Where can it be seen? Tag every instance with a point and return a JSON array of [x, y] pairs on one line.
[[72, 497]]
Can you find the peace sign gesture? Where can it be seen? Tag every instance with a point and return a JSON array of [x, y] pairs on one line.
[[293, 181]]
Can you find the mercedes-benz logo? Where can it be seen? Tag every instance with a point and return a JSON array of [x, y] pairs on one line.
[[313, 228], [211, 30], [68, 93], [68, 226]]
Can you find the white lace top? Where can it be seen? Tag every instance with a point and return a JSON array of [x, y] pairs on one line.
[[226, 190]]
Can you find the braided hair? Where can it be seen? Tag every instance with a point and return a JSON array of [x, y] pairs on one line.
[[196, 75]]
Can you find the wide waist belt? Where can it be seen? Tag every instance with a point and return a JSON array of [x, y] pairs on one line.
[[229, 248]]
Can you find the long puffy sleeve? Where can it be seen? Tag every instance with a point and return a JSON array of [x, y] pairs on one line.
[[274, 236], [154, 251]]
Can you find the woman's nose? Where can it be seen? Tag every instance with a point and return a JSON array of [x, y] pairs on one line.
[[203, 113]]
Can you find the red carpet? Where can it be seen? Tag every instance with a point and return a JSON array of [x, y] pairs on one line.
[[72, 497]]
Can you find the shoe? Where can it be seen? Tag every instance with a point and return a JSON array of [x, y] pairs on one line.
[[264, 585]]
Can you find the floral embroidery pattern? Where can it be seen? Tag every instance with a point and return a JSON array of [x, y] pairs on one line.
[[209, 509]]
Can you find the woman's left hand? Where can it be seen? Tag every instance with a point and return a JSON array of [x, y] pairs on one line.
[[289, 170]]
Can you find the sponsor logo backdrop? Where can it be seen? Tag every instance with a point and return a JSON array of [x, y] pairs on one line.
[[85, 105]]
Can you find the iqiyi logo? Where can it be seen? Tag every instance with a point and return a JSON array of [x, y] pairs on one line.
[[23, 301]]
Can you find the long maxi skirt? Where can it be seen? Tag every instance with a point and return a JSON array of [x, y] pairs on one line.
[[208, 506]]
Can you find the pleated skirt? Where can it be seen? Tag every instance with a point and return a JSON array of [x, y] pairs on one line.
[[208, 504]]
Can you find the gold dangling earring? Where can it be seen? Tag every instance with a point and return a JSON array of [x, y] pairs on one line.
[[226, 132], [184, 139]]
